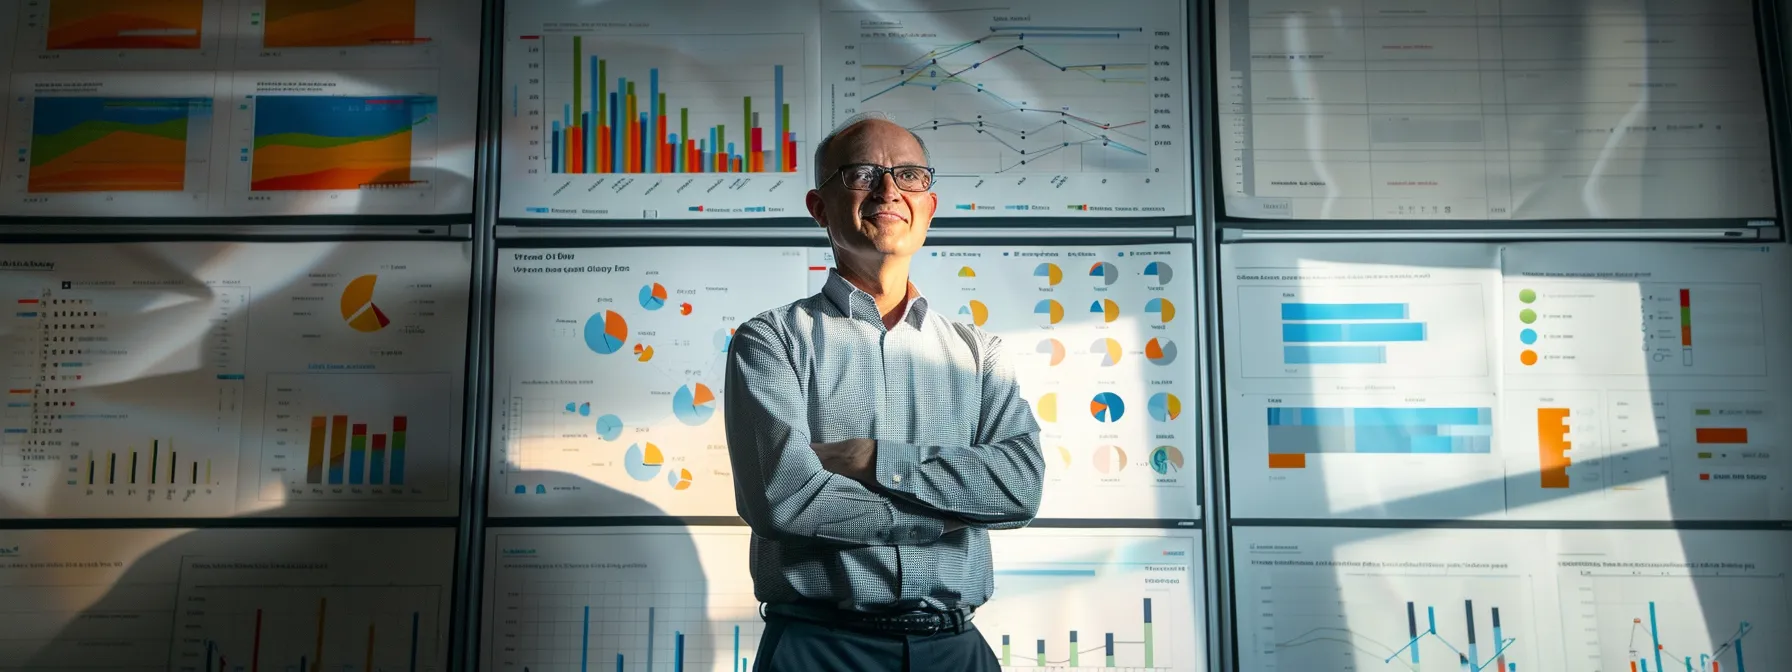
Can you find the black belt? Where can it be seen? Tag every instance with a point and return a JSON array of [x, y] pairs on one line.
[[914, 622]]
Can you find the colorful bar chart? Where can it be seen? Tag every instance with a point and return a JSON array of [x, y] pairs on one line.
[[1345, 333], [1714, 661], [1295, 433], [1146, 640], [1469, 656], [613, 127], [348, 446]]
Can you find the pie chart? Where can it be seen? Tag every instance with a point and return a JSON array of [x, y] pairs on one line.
[[605, 332], [1052, 274], [1106, 271], [653, 297], [643, 352], [1166, 460], [1160, 271], [1161, 351], [1108, 348], [1107, 407], [579, 408], [1110, 459], [967, 272], [685, 308], [1164, 407], [609, 427], [1165, 310], [1064, 454], [643, 461], [978, 312], [358, 308], [1109, 310], [1052, 347], [679, 479], [694, 404], [1047, 408], [1050, 308], [723, 338]]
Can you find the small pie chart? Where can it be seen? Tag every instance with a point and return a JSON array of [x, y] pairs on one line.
[[1108, 348], [643, 352], [1166, 460], [679, 479], [975, 310], [583, 408], [1051, 309], [694, 404], [1064, 454], [1165, 310], [1159, 271], [1161, 351], [1107, 407], [609, 427], [605, 332], [967, 272], [1047, 408], [358, 308], [1164, 407], [1106, 271], [643, 461], [653, 297], [1109, 459], [1109, 310], [723, 339], [1050, 271], [1053, 347]]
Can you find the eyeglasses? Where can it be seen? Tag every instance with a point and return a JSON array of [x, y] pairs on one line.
[[861, 176]]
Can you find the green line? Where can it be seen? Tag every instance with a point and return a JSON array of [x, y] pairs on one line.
[[578, 82], [46, 148]]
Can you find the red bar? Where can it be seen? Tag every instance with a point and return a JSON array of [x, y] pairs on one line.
[[758, 148], [1721, 435], [360, 429], [603, 149], [28, 301], [529, 37], [255, 652], [398, 423], [692, 162], [379, 442], [575, 150], [660, 158], [1685, 298]]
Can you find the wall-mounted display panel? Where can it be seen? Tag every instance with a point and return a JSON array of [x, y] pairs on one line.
[[654, 110], [214, 379], [1051, 109], [255, 107], [1540, 381], [656, 597], [1511, 600], [1102, 340], [194, 600], [1515, 110]]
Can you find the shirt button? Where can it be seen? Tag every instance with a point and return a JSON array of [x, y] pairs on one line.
[[895, 478]]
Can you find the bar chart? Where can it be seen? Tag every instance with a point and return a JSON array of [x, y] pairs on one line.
[[364, 435], [1731, 439], [1295, 433], [1094, 601], [1363, 331], [643, 598]]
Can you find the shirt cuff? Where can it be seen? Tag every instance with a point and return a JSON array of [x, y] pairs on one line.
[[896, 465]]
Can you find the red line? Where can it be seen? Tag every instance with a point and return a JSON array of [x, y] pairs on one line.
[[529, 37], [818, 268]]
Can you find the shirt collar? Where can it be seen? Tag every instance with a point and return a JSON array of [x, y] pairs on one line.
[[858, 305]]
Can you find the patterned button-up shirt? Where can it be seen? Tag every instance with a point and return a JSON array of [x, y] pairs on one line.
[[955, 440]]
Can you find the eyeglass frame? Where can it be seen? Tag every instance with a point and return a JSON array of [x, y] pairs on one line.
[[879, 177]]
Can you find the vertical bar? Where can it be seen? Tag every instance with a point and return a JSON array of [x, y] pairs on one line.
[[649, 638], [710, 164], [653, 112], [111, 468], [1150, 653], [600, 93], [684, 131], [1738, 642], [616, 153], [754, 151], [255, 650], [721, 142], [1499, 641], [1655, 639], [1689, 664], [778, 118], [677, 651], [1007, 652], [634, 131], [1431, 620], [746, 122], [578, 80], [1468, 608], [1074, 662], [1041, 653], [593, 118], [209, 647], [618, 662], [1412, 631], [414, 616], [133, 467], [155, 460], [357, 454], [554, 144], [789, 136], [377, 463], [194, 478], [585, 639], [173, 455], [317, 649], [90, 467], [314, 459], [737, 658], [398, 427], [338, 447], [368, 665], [1110, 649], [661, 156]]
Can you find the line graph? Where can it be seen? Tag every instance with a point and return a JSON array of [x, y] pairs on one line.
[[1063, 111]]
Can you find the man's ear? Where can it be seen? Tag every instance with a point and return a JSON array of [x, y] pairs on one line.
[[817, 209]]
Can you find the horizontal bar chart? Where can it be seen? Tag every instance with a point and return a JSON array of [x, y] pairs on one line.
[[1295, 433]]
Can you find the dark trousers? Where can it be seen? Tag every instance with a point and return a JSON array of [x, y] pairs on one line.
[[792, 645]]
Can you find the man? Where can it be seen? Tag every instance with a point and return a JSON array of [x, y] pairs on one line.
[[874, 441]]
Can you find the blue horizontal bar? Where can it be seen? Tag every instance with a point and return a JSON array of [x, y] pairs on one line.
[[1343, 311], [1390, 416], [230, 376], [1045, 572], [1365, 332], [1336, 354]]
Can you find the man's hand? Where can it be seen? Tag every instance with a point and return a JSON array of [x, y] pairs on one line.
[[853, 458]]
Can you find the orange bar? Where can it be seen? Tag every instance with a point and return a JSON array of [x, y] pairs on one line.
[[575, 150], [1721, 435], [1287, 460], [1633, 666], [1553, 447], [737, 164], [1686, 334]]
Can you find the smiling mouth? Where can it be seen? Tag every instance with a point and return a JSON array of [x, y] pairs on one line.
[[884, 216]]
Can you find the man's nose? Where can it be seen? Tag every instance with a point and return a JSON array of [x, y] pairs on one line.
[[885, 188]]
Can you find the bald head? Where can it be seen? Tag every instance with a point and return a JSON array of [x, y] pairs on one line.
[[862, 133]]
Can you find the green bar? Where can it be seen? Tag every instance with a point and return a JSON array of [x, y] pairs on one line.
[[1042, 659], [1686, 315], [684, 137], [1704, 456], [722, 147], [1702, 411], [578, 80], [1007, 655], [1110, 661], [1150, 657], [1074, 660], [746, 123]]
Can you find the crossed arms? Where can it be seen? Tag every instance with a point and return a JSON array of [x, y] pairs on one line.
[[870, 492]]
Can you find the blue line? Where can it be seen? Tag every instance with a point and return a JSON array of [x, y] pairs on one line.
[[1655, 636], [649, 638], [585, 639]]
